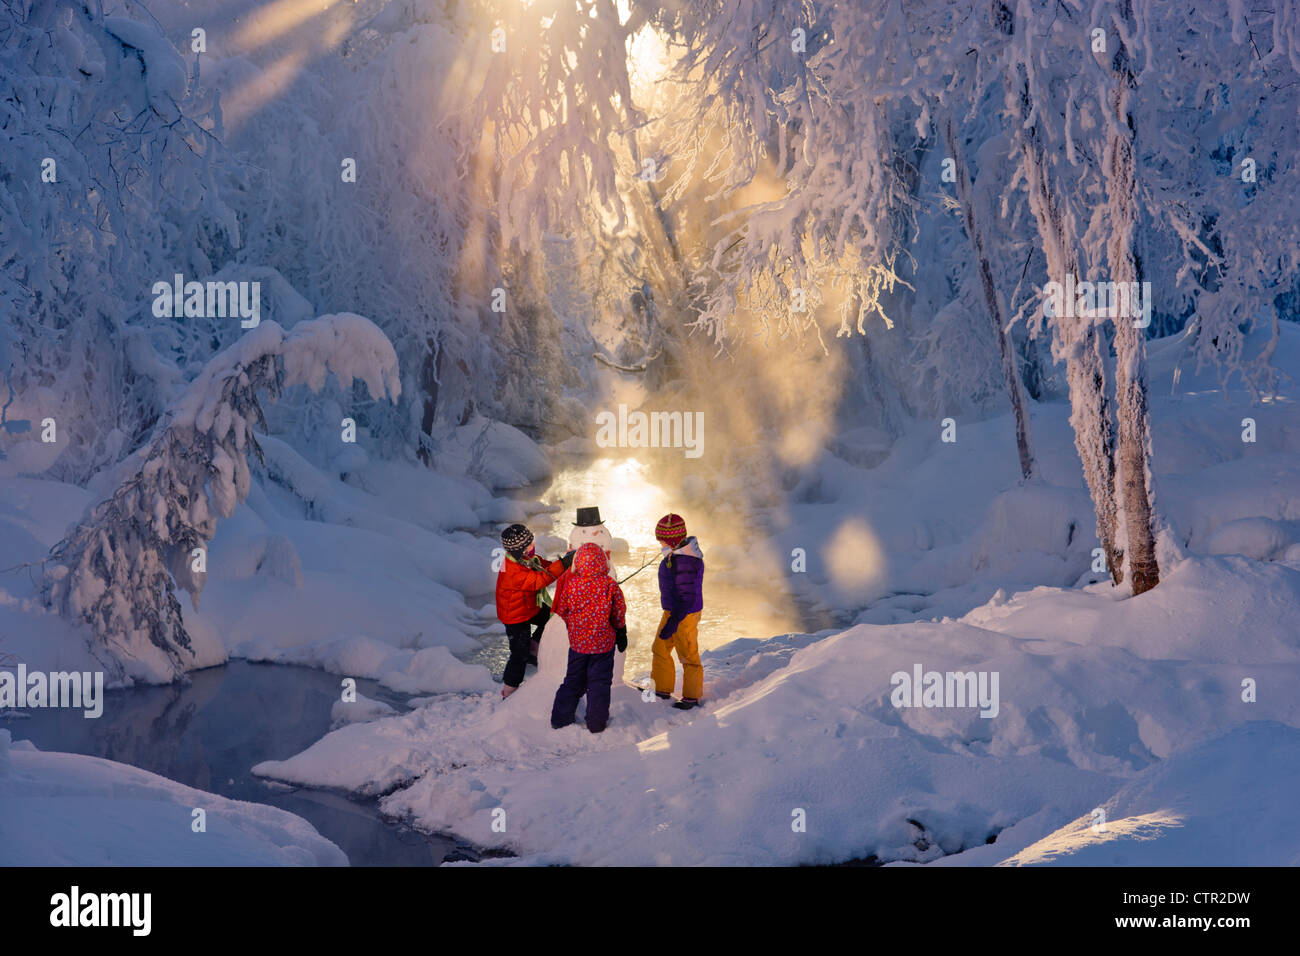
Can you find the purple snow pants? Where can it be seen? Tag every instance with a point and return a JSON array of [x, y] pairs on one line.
[[590, 674]]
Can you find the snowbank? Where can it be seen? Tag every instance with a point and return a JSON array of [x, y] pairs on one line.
[[1209, 804], [802, 727], [499, 455], [70, 810]]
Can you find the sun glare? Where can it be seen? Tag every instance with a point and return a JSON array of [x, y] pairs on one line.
[[647, 55]]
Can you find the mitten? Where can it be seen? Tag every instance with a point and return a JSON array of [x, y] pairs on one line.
[[620, 639]]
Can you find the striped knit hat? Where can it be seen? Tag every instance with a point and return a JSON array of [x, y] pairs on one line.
[[671, 530], [516, 539]]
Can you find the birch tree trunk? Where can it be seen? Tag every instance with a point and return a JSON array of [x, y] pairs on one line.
[[993, 302], [1130, 339], [1078, 343]]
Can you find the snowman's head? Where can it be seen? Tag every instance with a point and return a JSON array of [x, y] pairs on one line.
[[597, 534]]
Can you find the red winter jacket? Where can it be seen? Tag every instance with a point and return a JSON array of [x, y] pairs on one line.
[[517, 587], [590, 602]]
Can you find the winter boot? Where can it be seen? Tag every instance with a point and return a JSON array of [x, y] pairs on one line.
[[507, 690], [662, 696], [686, 703]]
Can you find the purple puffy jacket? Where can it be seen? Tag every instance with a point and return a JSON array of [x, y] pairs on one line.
[[681, 584]]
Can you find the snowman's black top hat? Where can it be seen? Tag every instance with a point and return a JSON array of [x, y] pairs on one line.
[[588, 518]]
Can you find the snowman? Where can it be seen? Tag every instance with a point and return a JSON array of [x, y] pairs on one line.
[[553, 654]]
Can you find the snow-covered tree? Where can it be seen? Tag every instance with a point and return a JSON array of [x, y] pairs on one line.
[[1217, 105], [1119, 163], [106, 186], [362, 204], [1043, 64], [975, 212], [798, 97], [117, 570]]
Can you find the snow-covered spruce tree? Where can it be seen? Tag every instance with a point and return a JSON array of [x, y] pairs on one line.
[[118, 568], [106, 186]]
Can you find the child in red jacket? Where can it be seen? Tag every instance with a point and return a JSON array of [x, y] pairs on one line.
[[595, 612], [521, 603]]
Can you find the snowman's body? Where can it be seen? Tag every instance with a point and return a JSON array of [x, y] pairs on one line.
[[553, 654]]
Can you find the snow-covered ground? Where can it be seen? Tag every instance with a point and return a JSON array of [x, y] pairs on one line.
[[806, 723], [66, 809], [1106, 701]]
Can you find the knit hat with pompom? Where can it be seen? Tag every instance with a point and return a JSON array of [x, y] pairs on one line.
[[516, 539], [671, 530]]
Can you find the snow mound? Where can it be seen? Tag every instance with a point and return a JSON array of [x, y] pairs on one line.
[[70, 810], [499, 455], [1210, 803], [1251, 613], [1264, 539], [358, 711], [1094, 690]]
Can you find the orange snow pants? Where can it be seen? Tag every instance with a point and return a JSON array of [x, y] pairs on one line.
[[685, 641]]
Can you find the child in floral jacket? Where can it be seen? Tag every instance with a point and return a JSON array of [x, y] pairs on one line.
[[595, 612]]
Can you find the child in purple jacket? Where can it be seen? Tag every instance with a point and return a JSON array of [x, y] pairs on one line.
[[681, 595]]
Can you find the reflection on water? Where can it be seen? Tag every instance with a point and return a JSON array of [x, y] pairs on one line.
[[210, 733], [630, 503]]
